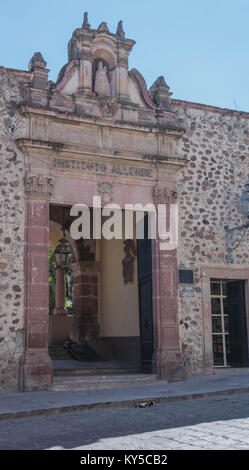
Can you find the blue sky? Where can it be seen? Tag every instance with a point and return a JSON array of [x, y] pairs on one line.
[[200, 46]]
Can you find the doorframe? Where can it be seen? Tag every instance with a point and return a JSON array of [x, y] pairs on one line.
[[208, 272]]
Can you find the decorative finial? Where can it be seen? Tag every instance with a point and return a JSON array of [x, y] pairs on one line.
[[37, 61], [160, 83], [103, 28], [86, 25], [160, 94], [120, 31]]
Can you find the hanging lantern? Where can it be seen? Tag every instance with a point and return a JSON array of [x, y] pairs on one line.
[[63, 255], [244, 200]]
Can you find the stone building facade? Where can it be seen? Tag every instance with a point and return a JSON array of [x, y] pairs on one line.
[[216, 146], [99, 131]]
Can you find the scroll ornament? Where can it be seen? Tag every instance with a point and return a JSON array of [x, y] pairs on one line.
[[39, 185], [105, 190], [164, 195]]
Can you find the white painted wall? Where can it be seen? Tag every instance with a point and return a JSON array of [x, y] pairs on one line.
[[119, 308]]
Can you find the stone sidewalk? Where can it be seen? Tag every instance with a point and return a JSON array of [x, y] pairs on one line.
[[19, 405]]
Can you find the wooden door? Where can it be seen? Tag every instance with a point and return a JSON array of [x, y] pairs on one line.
[[237, 323], [145, 299]]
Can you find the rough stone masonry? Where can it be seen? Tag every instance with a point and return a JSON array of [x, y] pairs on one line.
[[11, 230], [208, 146]]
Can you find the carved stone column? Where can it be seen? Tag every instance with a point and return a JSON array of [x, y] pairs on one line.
[[167, 358], [85, 281], [86, 68], [35, 365], [122, 76], [123, 50]]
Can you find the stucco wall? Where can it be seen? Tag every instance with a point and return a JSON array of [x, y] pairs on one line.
[[216, 143], [11, 232], [119, 311]]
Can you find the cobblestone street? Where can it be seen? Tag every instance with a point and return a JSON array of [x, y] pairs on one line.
[[217, 423]]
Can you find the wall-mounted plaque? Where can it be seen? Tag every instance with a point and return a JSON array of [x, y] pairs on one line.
[[187, 293], [186, 276]]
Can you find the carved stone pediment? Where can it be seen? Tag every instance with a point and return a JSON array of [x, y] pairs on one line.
[[164, 195], [39, 186]]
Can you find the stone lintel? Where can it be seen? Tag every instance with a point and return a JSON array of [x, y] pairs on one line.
[[65, 150]]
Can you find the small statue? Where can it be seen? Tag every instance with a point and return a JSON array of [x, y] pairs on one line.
[[129, 260], [102, 85]]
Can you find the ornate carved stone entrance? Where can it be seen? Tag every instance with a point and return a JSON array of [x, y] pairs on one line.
[[121, 145]]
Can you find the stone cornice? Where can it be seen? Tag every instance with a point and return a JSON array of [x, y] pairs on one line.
[[94, 120], [92, 34], [17, 73], [207, 107], [39, 144]]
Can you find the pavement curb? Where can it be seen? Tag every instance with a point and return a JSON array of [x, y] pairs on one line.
[[117, 404]]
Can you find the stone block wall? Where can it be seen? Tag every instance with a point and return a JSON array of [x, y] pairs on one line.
[[216, 143], [11, 232]]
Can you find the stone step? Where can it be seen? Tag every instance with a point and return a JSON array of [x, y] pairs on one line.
[[107, 378], [95, 371], [58, 358], [102, 382], [57, 352], [98, 386]]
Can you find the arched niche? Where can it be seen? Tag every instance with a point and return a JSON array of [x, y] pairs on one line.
[[108, 60]]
